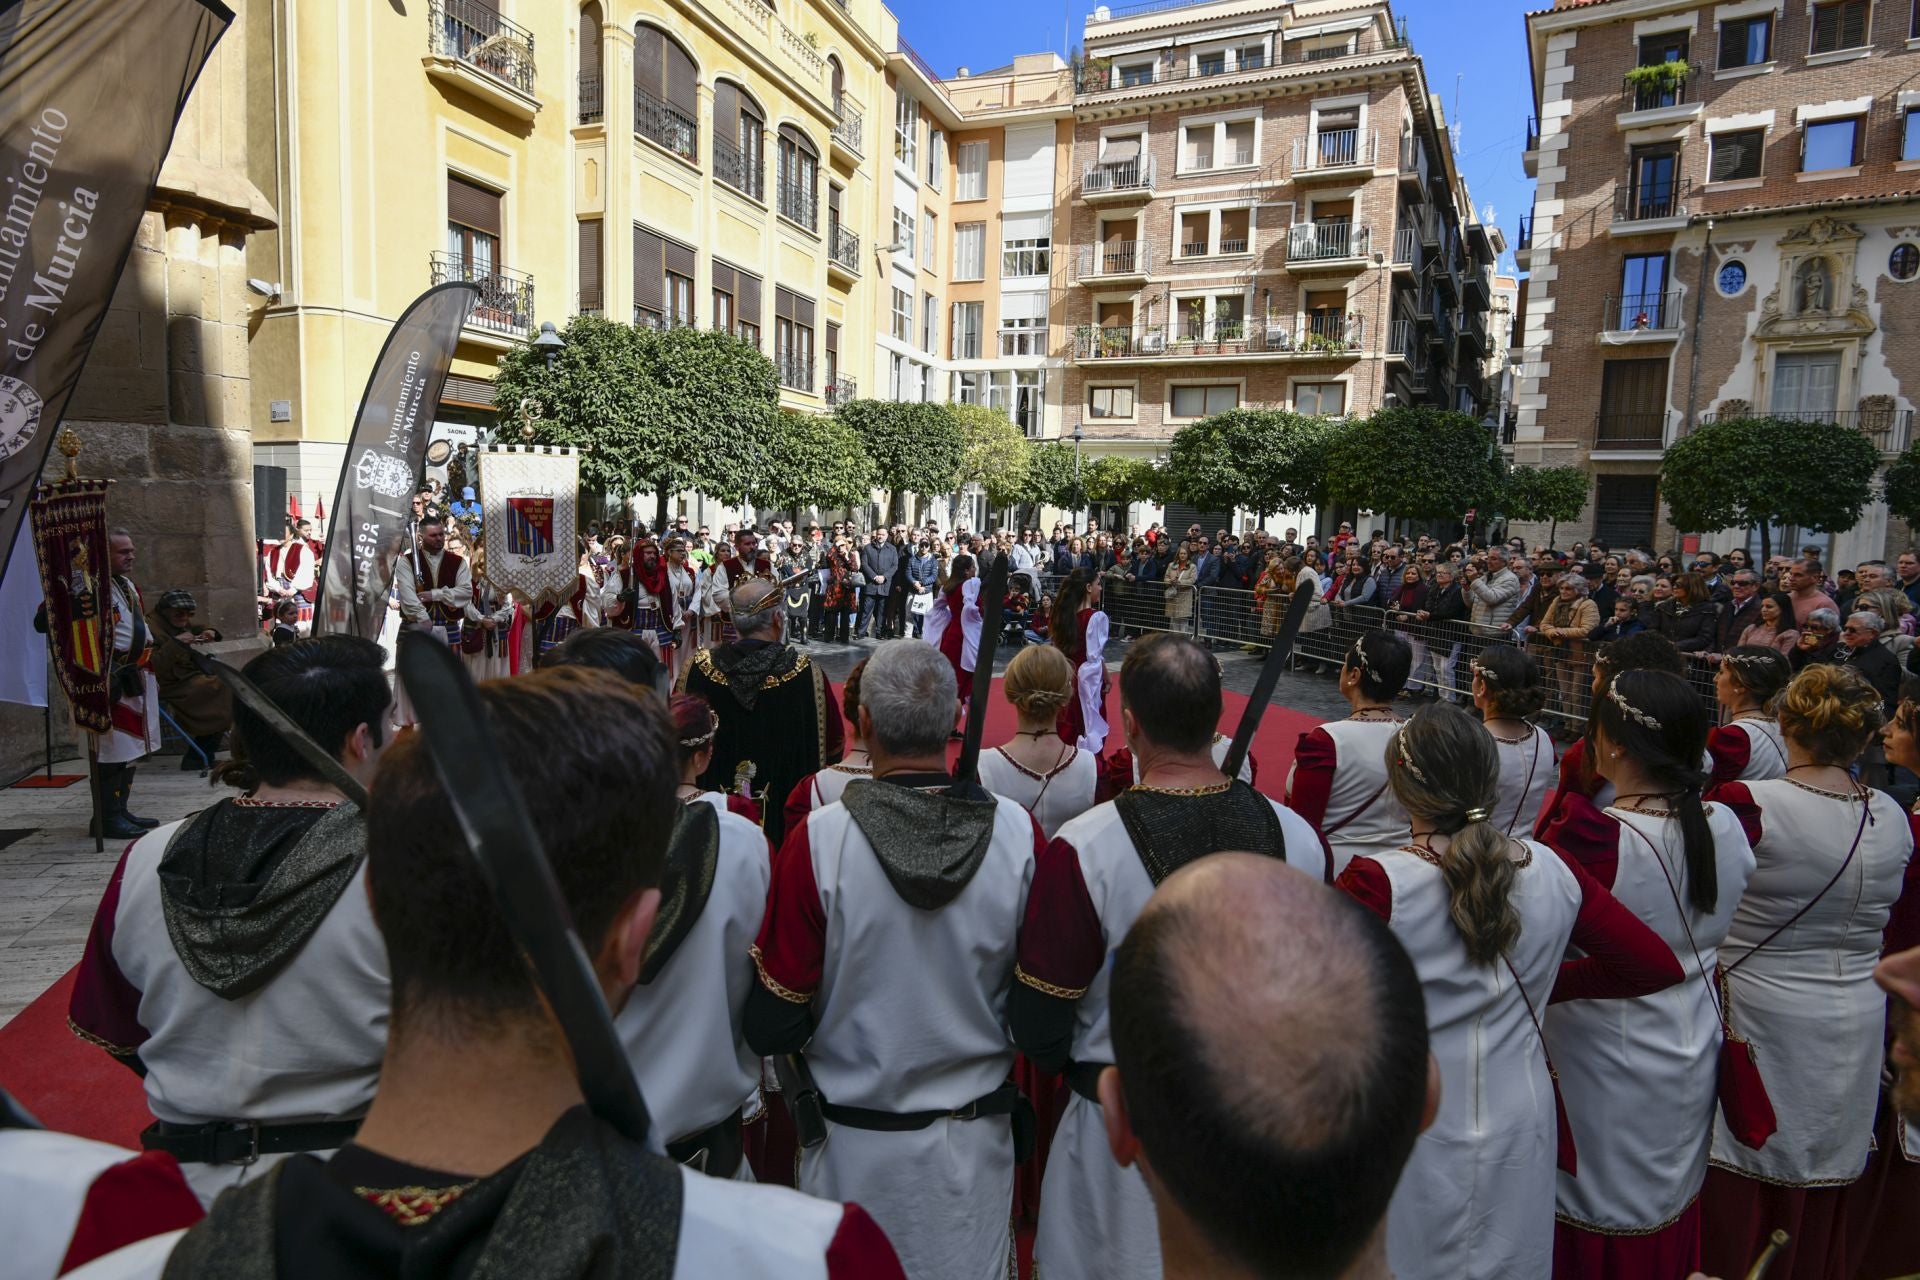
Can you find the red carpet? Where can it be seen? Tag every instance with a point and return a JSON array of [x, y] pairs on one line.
[[73, 1086], [57, 780]]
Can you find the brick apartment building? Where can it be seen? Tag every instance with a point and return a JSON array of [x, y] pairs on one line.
[[1724, 222], [1265, 212]]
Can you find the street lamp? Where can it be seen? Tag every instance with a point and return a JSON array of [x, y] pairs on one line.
[[549, 343], [1078, 436]]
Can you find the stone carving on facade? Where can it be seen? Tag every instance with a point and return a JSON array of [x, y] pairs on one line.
[[1876, 413], [1818, 294], [1730, 409]]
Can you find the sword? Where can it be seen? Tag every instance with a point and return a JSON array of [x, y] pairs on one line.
[[1263, 687], [995, 589], [494, 818], [248, 693]]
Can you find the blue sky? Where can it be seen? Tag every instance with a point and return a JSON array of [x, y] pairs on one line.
[[1475, 49]]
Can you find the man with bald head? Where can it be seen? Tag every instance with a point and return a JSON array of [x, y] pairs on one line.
[[779, 720], [1096, 1219], [1270, 1072]]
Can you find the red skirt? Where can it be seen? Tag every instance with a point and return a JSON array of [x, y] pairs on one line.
[[1071, 723], [1739, 1213], [1883, 1231], [1671, 1253]]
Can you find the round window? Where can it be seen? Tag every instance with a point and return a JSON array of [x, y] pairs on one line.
[[1904, 262], [1733, 277]]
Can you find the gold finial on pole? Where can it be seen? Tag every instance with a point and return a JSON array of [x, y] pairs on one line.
[[529, 411], [68, 442]]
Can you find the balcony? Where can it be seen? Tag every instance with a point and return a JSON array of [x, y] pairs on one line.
[[666, 125], [1432, 230], [1413, 164], [506, 297], [1114, 262], [843, 250], [847, 135], [1530, 154], [745, 173], [796, 372], [1652, 94], [1333, 153], [592, 101], [1440, 333], [591, 301], [1126, 182], [648, 318], [1314, 245], [1891, 430], [1523, 242], [800, 205], [842, 390], [1641, 316], [1401, 342], [1472, 324], [1652, 209], [472, 48], [1327, 333], [1406, 249], [1630, 432], [1099, 75], [1318, 336]]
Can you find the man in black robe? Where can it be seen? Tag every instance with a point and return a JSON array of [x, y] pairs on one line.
[[777, 711]]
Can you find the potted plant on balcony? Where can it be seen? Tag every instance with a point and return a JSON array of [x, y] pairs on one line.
[[1653, 82]]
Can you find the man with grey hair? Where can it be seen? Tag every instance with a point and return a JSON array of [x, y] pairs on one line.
[[1494, 592], [1860, 648], [887, 952], [779, 720]]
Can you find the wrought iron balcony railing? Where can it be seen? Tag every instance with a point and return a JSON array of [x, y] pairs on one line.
[[1641, 202], [844, 389], [1650, 88], [1118, 178], [1106, 75], [796, 372], [843, 246], [506, 297], [476, 34], [847, 132], [1324, 241], [1631, 431], [1631, 312], [800, 204], [1333, 149], [593, 107], [1114, 258], [667, 125], [745, 173]]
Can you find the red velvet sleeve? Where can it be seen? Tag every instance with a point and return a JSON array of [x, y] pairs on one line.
[[1738, 798], [1624, 957], [104, 1008], [799, 803], [792, 944], [1116, 775], [1903, 922], [1311, 784], [1366, 882], [1730, 750], [860, 1250], [1061, 944], [1583, 835], [129, 1202], [744, 807], [836, 724], [1570, 783]]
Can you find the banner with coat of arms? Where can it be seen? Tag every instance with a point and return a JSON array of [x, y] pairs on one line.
[[69, 524], [530, 525]]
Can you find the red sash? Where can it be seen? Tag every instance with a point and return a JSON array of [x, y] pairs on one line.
[[954, 639]]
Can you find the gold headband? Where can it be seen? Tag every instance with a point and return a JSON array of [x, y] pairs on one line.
[[713, 727], [1359, 656], [1489, 676], [774, 597], [1629, 710], [1406, 757]]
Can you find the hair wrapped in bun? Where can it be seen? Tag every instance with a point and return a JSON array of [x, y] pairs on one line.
[[1831, 713], [1039, 681]]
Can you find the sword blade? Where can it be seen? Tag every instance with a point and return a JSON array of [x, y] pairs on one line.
[[1263, 688], [500, 834], [992, 617]]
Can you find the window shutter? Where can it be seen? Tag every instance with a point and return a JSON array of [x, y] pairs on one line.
[[590, 260], [833, 339], [678, 258], [1733, 44], [472, 205], [1853, 23], [649, 57], [680, 80], [802, 311], [726, 112], [783, 301], [1121, 150], [649, 282], [723, 279], [833, 199], [748, 299]]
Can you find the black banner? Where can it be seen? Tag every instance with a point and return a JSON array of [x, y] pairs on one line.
[[373, 505], [90, 92]]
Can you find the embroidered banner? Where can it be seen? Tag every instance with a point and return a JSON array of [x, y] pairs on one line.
[[70, 541], [529, 531]]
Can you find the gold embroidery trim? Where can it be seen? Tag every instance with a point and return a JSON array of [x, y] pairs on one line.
[[118, 1051], [1046, 988], [704, 660], [412, 1206], [1626, 1231], [1782, 1182], [767, 980]]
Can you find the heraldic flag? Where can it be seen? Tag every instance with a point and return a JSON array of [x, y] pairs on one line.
[[90, 92], [530, 496], [373, 507]]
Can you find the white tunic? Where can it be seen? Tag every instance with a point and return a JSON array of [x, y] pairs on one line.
[[44, 1181], [1362, 815], [1639, 1076], [113, 746], [1086, 681], [682, 1030], [1806, 999], [1052, 798], [1766, 748], [1097, 1220], [829, 783], [306, 1046], [939, 618], [910, 1015], [1527, 774], [1476, 1197], [1222, 744]]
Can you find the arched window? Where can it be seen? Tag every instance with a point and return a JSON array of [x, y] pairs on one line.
[[592, 95], [799, 178], [839, 74], [739, 140], [665, 109]]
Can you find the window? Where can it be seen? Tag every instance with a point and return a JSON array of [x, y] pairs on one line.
[[723, 317], [906, 130], [972, 182], [1204, 401], [1320, 399], [1653, 183], [1213, 317], [1026, 244], [793, 339], [1251, 57], [1746, 42], [665, 103], [1840, 24], [739, 141], [590, 258], [831, 384], [1023, 324], [1196, 146], [970, 251], [736, 302], [896, 376], [903, 233], [473, 229], [1110, 402], [1135, 74], [929, 238], [902, 315], [1736, 154], [1805, 385], [1338, 141], [1904, 262], [1910, 136], [1830, 144], [1624, 507], [799, 178], [663, 273], [1732, 278], [936, 159], [1021, 395], [1633, 404], [1210, 64], [929, 322], [1643, 293], [966, 324], [1217, 144]]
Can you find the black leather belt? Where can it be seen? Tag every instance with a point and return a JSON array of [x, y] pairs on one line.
[[1084, 1079], [716, 1151], [244, 1141], [1007, 1100]]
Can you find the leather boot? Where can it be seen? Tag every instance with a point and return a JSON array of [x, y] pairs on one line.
[[126, 785], [113, 824]]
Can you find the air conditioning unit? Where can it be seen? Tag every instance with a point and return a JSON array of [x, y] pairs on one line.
[[1151, 342]]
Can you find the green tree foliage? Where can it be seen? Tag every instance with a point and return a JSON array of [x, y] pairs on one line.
[[813, 460], [1420, 463], [916, 448], [659, 411], [1903, 485], [1118, 479], [1746, 473], [1552, 494], [1260, 459], [1050, 476], [994, 454]]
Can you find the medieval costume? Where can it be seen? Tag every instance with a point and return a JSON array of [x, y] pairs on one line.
[[683, 587], [1476, 1198], [682, 1025], [839, 593], [505, 648], [585, 1202], [1055, 797], [818, 790], [136, 709], [1097, 1220], [1119, 770], [1639, 1076], [1083, 721], [199, 704], [1339, 785], [716, 594], [887, 954], [435, 590], [647, 605], [1526, 775], [294, 569], [1748, 748], [234, 961], [1796, 975], [777, 713], [953, 627]]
